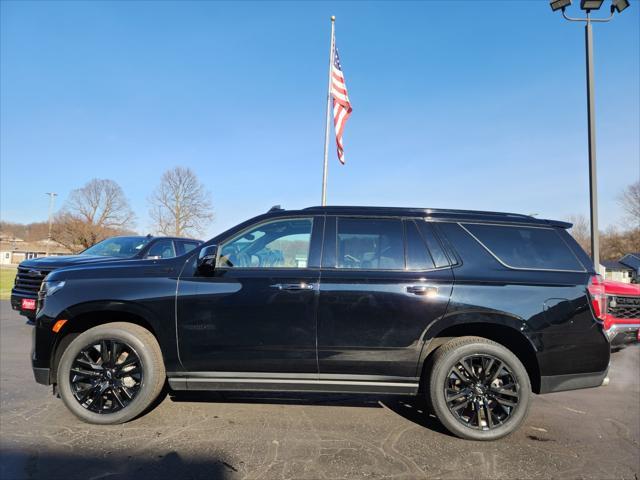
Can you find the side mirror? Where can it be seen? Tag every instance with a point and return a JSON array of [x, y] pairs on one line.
[[207, 260]]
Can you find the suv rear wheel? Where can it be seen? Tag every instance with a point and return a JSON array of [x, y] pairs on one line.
[[111, 373], [478, 389]]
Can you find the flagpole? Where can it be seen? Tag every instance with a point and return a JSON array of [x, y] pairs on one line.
[[328, 117]]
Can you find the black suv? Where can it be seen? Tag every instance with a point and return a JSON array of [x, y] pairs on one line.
[[31, 272], [473, 310]]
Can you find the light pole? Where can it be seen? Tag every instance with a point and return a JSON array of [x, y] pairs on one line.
[[588, 6], [52, 197]]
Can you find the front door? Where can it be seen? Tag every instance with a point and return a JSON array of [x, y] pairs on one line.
[[380, 289], [257, 311]]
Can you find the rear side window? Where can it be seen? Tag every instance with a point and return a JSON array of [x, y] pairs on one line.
[[418, 257], [437, 252], [526, 247], [183, 246], [370, 244]]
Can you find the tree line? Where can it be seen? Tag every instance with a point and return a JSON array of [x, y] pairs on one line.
[[180, 206], [615, 241]]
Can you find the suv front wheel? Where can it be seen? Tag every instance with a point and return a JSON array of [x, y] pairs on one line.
[[111, 373], [478, 389]]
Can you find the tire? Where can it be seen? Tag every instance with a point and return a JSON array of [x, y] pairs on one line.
[[98, 389], [478, 391]]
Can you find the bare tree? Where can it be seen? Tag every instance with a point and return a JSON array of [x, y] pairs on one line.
[[180, 205], [616, 243], [91, 214], [581, 231], [630, 201]]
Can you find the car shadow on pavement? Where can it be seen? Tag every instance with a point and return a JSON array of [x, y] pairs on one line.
[[414, 409], [36, 465]]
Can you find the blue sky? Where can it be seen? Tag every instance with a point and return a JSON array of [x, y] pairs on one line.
[[469, 104]]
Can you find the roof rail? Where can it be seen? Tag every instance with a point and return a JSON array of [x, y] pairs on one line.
[[477, 212], [445, 211]]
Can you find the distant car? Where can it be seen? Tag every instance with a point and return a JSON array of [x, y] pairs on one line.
[[622, 313], [31, 272]]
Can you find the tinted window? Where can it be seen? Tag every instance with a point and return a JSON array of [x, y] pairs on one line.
[[370, 244], [437, 252], [123, 247], [526, 247], [418, 257], [183, 246], [161, 249], [278, 244]]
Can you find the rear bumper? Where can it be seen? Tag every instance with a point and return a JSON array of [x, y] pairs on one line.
[[561, 383]]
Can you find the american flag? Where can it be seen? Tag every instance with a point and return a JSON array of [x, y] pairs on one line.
[[341, 105]]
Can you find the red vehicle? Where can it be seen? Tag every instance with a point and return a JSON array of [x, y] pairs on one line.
[[622, 313]]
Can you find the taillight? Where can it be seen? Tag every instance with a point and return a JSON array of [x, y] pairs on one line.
[[598, 297]]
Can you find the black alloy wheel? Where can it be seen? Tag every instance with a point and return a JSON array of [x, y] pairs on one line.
[[111, 373], [106, 376], [478, 388], [481, 391]]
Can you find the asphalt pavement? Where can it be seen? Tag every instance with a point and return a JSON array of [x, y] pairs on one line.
[[592, 433]]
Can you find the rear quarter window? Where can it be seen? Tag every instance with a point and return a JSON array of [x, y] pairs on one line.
[[183, 247], [526, 247]]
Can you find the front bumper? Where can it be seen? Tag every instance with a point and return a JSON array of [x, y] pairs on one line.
[[42, 375], [16, 304], [621, 334], [42, 345]]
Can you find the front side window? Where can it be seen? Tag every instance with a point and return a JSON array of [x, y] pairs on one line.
[[278, 244], [526, 247], [370, 244]]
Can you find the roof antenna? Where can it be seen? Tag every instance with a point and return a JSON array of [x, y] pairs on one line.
[[275, 208]]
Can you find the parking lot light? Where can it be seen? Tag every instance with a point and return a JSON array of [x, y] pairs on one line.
[[588, 5], [558, 4], [619, 5], [591, 4]]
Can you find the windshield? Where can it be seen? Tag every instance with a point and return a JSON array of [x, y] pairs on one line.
[[122, 247]]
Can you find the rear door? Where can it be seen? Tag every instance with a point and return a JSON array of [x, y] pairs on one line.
[[380, 289]]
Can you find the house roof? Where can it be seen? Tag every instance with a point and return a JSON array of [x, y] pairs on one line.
[[632, 260], [612, 265]]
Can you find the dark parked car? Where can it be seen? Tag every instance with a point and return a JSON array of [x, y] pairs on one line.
[[31, 272], [473, 310]]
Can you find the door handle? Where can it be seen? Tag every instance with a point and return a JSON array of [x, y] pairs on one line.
[[293, 286], [424, 290]]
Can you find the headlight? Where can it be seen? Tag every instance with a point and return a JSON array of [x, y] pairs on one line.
[[49, 288]]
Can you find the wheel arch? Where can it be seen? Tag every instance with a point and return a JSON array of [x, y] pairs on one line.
[[85, 316], [507, 331]]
